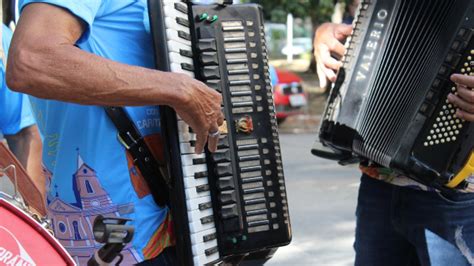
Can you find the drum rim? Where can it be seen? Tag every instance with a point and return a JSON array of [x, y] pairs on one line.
[[34, 224]]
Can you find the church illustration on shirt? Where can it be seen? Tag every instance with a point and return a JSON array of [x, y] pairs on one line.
[[73, 222]]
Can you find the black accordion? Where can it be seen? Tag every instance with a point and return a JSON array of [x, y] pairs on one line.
[[231, 203], [389, 104]]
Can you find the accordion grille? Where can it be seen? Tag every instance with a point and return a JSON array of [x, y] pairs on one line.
[[405, 65]]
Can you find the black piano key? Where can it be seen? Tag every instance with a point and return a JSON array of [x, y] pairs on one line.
[[186, 53], [184, 35], [202, 188], [187, 67], [200, 175], [209, 237], [199, 160], [211, 251], [181, 7], [207, 219], [205, 206], [182, 22]]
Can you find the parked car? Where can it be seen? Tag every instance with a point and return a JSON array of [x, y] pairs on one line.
[[289, 95]]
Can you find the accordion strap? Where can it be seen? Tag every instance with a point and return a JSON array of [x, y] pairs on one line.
[[131, 139]]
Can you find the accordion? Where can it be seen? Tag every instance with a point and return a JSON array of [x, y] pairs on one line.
[[389, 104], [233, 202]]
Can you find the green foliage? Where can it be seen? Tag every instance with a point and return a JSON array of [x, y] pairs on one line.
[[277, 10]]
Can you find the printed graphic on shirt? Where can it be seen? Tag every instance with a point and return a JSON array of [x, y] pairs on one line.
[[72, 221]]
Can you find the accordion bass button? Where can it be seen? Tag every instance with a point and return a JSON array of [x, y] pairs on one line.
[[229, 211], [227, 197]]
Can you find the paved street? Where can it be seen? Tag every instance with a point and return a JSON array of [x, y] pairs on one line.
[[322, 199]]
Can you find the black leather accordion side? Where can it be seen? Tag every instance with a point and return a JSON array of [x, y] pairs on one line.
[[389, 104]]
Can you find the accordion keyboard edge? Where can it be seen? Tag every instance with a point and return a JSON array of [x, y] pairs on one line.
[[390, 104], [232, 202]]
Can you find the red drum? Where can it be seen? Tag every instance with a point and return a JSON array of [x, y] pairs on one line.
[[23, 241]]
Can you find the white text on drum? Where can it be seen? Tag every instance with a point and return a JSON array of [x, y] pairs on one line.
[[7, 257], [372, 45]]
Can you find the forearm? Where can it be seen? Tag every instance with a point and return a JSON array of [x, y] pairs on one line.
[[27, 147], [72, 75]]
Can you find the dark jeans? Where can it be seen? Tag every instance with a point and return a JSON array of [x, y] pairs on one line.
[[402, 226], [166, 258]]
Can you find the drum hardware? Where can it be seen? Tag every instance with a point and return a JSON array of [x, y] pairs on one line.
[[115, 234]]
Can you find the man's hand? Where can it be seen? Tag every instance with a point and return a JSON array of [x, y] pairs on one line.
[[327, 42], [464, 100], [201, 109]]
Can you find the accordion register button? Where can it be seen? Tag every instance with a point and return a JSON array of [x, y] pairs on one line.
[[221, 156], [453, 59], [443, 70], [224, 169], [209, 58], [232, 225], [229, 211], [211, 72], [225, 183], [223, 142], [207, 45], [465, 34], [214, 84], [427, 109], [227, 197]]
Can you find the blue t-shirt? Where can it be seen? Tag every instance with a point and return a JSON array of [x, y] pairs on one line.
[[15, 112], [89, 171]]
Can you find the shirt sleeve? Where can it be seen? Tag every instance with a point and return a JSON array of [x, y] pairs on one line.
[[86, 10]]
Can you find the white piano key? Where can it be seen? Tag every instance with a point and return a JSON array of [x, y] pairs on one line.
[[191, 193], [173, 35], [199, 236], [171, 23], [183, 127], [170, 11], [176, 47], [186, 148], [193, 204], [179, 59], [196, 215], [188, 159], [201, 248], [203, 259], [187, 137], [191, 182], [176, 68], [189, 170], [197, 226]]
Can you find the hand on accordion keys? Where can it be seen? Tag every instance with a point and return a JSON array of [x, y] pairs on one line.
[[200, 107], [464, 99], [328, 42]]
